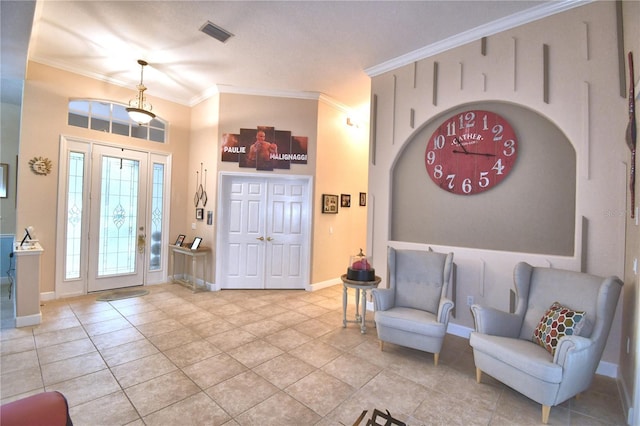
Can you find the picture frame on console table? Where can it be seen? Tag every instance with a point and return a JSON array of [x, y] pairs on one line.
[[196, 243], [179, 240]]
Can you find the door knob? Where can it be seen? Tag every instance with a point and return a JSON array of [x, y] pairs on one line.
[[260, 238], [269, 239]]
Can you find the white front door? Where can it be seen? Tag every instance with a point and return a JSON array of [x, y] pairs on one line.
[[263, 232], [108, 197], [117, 221]]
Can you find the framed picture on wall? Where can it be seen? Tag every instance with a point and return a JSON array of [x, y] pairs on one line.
[[4, 179], [199, 213], [345, 200], [363, 198], [329, 203]]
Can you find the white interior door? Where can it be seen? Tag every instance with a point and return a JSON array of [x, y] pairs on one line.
[[117, 218], [263, 232], [285, 234], [243, 229]]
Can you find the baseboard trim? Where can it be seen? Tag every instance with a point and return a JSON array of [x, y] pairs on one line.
[[29, 320], [47, 296], [324, 284], [459, 330], [607, 369]]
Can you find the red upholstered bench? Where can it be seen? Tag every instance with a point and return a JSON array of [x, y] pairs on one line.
[[47, 408]]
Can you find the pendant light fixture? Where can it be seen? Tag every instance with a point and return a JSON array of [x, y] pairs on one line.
[[139, 110]]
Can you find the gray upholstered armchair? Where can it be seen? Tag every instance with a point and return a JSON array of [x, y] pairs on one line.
[[549, 368], [414, 311]]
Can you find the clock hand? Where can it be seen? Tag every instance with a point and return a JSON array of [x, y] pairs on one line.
[[456, 140], [455, 151]]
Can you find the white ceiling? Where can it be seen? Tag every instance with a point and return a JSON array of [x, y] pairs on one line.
[[330, 47]]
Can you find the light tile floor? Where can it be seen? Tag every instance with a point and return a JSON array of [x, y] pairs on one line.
[[254, 358]]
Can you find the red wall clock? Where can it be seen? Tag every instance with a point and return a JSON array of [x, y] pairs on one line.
[[471, 152]]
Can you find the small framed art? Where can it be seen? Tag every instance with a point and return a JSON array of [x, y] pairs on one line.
[[199, 213], [329, 203], [196, 243], [4, 179], [345, 200], [179, 240], [363, 198]]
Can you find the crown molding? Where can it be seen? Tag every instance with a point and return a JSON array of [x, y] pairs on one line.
[[223, 88], [497, 26], [106, 79], [315, 96]]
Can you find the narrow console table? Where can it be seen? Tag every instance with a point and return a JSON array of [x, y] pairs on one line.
[[27, 285], [358, 285], [191, 280]]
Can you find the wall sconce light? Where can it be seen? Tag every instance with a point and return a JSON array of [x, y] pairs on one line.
[[352, 123], [139, 110]]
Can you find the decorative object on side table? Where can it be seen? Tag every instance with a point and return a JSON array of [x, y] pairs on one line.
[[360, 268], [361, 277]]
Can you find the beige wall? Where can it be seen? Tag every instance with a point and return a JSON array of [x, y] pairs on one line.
[[630, 323], [342, 169], [584, 103], [202, 149], [44, 120]]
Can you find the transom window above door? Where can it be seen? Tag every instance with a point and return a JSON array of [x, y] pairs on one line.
[[113, 118]]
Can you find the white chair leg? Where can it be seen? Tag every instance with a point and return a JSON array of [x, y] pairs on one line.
[[545, 414]]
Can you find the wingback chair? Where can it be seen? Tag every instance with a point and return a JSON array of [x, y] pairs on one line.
[[548, 368], [414, 311]]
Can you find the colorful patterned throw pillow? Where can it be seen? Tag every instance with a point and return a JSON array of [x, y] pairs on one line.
[[557, 322]]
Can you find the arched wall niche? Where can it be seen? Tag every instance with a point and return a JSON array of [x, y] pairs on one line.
[[532, 211]]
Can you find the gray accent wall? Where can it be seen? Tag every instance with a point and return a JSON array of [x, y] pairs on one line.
[[531, 211]]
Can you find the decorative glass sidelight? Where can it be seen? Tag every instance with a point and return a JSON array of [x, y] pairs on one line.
[[157, 199], [75, 200]]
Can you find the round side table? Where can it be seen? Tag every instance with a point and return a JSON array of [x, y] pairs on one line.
[[359, 286]]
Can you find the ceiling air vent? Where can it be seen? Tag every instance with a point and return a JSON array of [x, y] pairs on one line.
[[215, 31]]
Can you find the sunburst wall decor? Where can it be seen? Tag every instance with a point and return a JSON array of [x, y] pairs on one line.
[[40, 165]]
